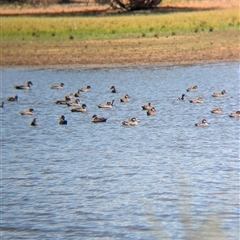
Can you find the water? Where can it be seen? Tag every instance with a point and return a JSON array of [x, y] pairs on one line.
[[164, 179]]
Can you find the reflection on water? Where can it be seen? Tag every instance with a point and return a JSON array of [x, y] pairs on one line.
[[164, 179]]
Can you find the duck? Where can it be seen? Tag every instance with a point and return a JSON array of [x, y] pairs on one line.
[[151, 111], [198, 100], [235, 115], [106, 105], [77, 94], [34, 122], [70, 96], [11, 99], [63, 102], [221, 94], [125, 98], [24, 87], [74, 104], [192, 89], [82, 109], [182, 97], [204, 123], [30, 111], [62, 120], [58, 86], [217, 110], [96, 119], [1, 104], [131, 122], [85, 89], [113, 89], [147, 106]]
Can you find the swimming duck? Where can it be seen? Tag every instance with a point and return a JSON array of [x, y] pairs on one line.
[[113, 89], [58, 86], [34, 122], [204, 123], [63, 102], [96, 119], [24, 87], [235, 115], [106, 105], [86, 89], [30, 111], [198, 100], [125, 98], [131, 122], [71, 95], [182, 97], [82, 109], [151, 111], [221, 94], [217, 110], [147, 106], [77, 94], [192, 89], [62, 120], [75, 103], [11, 99], [1, 104]]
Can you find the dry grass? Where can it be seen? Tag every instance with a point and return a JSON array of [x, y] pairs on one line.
[[54, 9], [226, 4], [50, 10]]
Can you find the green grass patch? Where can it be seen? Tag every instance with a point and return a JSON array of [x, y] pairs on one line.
[[117, 27]]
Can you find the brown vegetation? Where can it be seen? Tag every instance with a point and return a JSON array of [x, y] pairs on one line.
[[90, 6]]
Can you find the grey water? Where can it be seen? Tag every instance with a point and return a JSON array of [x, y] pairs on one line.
[[162, 179]]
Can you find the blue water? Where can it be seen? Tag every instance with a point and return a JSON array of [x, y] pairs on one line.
[[163, 179]]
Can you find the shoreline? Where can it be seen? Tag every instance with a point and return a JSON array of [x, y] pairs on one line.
[[202, 48], [114, 65]]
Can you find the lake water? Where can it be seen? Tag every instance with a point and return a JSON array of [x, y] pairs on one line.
[[163, 179]]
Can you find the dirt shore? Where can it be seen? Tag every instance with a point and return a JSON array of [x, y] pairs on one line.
[[196, 48]]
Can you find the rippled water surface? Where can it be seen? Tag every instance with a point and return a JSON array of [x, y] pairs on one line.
[[163, 179]]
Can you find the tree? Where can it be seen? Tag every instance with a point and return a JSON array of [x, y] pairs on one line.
[[131, 5]]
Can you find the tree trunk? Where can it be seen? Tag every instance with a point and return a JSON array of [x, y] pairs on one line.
[[131, 5]]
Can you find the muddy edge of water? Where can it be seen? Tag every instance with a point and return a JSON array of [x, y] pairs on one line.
[[197, 48]]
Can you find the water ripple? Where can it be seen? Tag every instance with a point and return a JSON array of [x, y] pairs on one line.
[[164, 179]]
